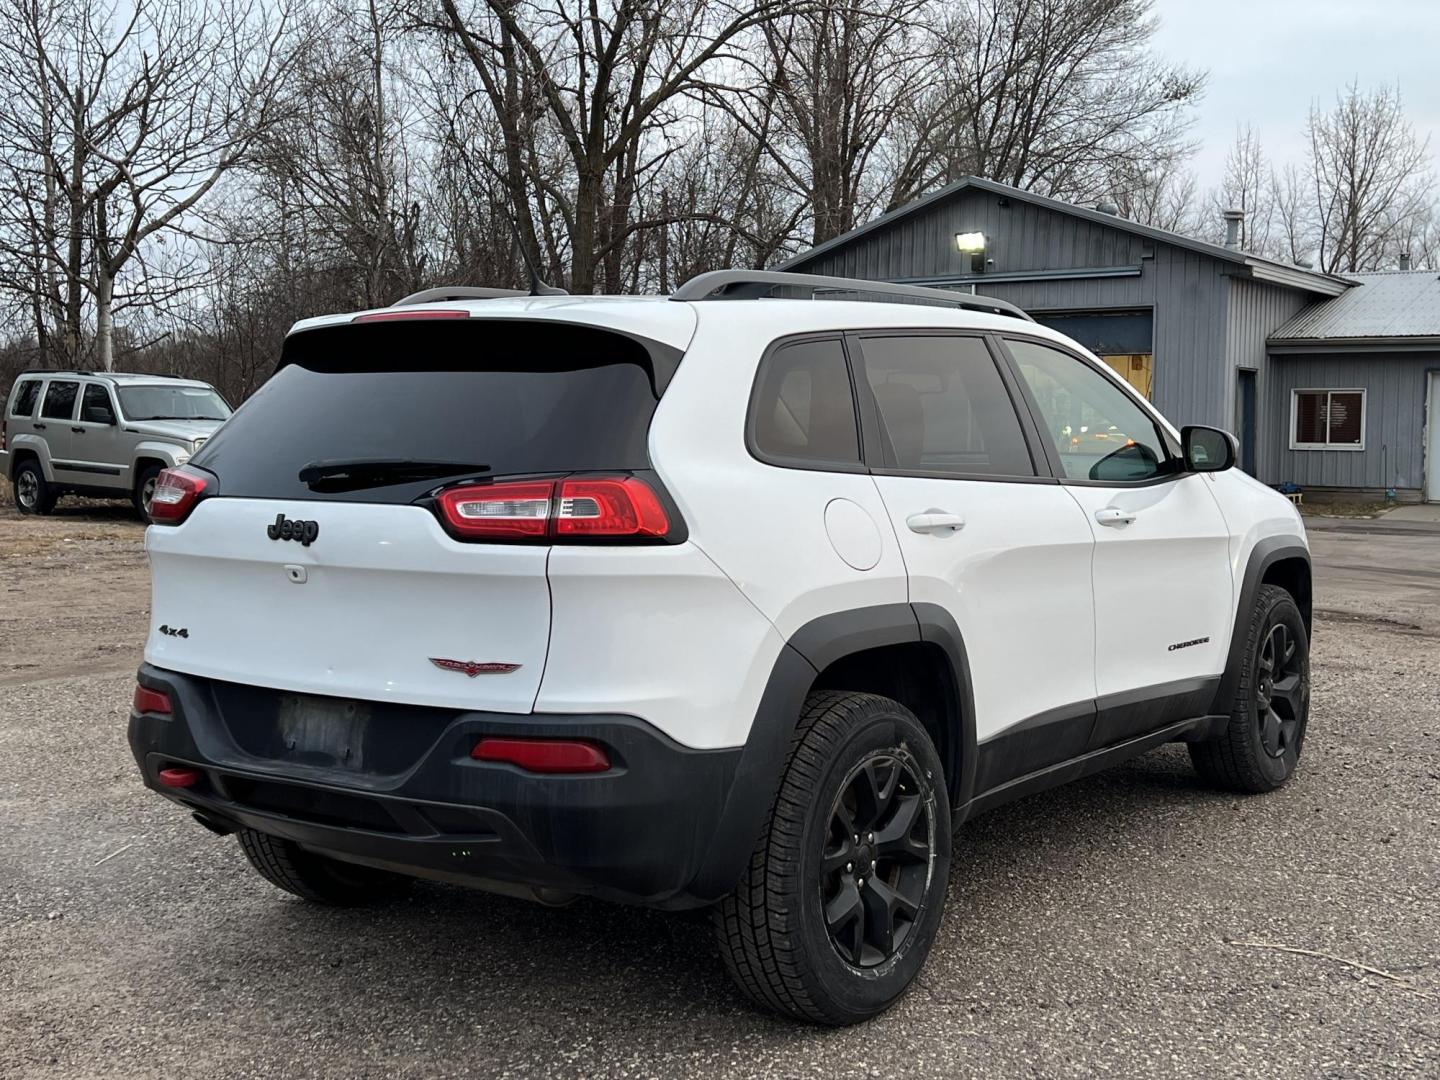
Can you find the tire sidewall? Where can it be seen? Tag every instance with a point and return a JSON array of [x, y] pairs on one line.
[[1279, 609], [860, 993], [136, 496]]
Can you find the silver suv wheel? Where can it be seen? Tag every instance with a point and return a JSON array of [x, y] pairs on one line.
[[27, 489], [147, 492]]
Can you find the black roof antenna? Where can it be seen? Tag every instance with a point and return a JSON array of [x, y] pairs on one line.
[[537, 287]]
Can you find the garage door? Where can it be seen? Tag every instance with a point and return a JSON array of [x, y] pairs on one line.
[[1123, 339]]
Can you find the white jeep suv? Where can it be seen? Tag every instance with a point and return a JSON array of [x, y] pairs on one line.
[[727, 599]]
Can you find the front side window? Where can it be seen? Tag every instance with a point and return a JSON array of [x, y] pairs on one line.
[[1327, 420], [804, 410], [944, 407], [60, 400], [25, 398], [95, 405], [172, 403], [1098, 429]]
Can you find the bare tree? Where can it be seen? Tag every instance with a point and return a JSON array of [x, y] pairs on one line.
[[1055, 95], [1248, 187], [118, 121], [1370, 177], [1162, 195]]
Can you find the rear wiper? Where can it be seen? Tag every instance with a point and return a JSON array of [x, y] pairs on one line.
[[349, 475]]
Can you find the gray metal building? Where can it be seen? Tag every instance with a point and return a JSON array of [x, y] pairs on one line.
[[1326, 379]]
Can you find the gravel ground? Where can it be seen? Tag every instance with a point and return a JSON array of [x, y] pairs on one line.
[[1132, 924]]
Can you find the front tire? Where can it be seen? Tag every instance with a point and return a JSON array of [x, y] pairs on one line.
[[288, 866], [1260, 748], [33, 494], [144, 490], [838, 907]]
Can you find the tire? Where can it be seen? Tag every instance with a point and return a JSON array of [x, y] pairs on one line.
[[33, 494], [1260, 749], [773, 932], [288, 866], [144, 486]]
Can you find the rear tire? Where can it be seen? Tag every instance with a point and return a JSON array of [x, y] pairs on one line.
[[144, 488], [33, 494], [1260, 748], [822, 928], [321, 880]]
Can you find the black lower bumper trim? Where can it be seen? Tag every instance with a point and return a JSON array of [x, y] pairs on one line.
[[407, 795]]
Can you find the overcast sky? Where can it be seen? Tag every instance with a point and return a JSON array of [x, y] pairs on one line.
[[1269, 59]]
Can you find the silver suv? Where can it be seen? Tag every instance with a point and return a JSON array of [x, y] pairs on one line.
[[104, 435]]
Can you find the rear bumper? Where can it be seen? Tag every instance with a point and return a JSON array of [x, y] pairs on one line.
[[666, 826]]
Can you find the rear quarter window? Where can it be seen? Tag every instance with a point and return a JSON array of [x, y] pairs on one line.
[[27, 392]]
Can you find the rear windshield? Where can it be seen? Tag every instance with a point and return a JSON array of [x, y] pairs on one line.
[[349, 406]]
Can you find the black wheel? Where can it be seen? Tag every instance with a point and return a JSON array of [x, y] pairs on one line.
[[1260, 748], [288, 866], [144, 490], [33, 494], [838, 907]]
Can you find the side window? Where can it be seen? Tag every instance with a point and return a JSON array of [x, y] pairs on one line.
[[60, 401], [804, 411], [95, 407], [1101, 433], [944, 406], [25, 397]]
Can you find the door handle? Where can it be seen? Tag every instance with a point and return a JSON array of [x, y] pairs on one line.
[[39, 427], [1114, 517], [935, 522], [78, 430]]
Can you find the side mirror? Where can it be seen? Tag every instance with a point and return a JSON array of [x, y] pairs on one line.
[[1209, 449]]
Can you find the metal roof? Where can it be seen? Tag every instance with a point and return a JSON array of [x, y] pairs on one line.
[[1269, 270], [1392, 304]]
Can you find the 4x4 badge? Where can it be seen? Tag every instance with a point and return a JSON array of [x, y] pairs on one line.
[[473, 668]]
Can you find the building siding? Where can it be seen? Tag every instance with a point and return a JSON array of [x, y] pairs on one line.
[[1394, 455], [1253, 311], [1186, 291]]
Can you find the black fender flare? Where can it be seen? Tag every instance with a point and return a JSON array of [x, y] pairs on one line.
[[1265, 554], [809, 651]]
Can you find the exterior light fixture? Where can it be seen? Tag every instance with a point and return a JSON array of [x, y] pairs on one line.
[[972, 244]]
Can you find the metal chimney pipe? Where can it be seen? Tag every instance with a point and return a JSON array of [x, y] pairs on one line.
[[1233, 220], [1404, 260]]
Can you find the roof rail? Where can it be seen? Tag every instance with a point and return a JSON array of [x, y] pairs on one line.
[[456, 292], [754, 284]]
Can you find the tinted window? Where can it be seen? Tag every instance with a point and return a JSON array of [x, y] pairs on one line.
[[500, 398], [1101, 433], [1329, 418], [95, 405], [172, 403], [25, 396], [60, 400], [804, 410], [945, 407]]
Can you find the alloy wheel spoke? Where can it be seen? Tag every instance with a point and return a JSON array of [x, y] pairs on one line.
[[1270, 732], [836, 858], [845, 918], [1287, 691], [874, 787], [895, 839]]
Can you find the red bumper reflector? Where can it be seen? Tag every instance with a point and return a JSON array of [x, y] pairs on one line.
[[179, 777], [156, 701], [543, 755]]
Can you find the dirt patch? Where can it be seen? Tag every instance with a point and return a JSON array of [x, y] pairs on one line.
[[74, 592]]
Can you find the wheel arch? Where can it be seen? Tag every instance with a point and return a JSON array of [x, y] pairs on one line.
[[1276, 560], [915, 649]]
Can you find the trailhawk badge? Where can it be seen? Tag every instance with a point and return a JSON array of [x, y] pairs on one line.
[[473, 668]]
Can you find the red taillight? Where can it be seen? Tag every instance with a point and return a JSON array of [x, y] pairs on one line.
[[592, 506], [543, 755], [176, 493], [410, 316], [179, 778], [609, 506], [153, 701]]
